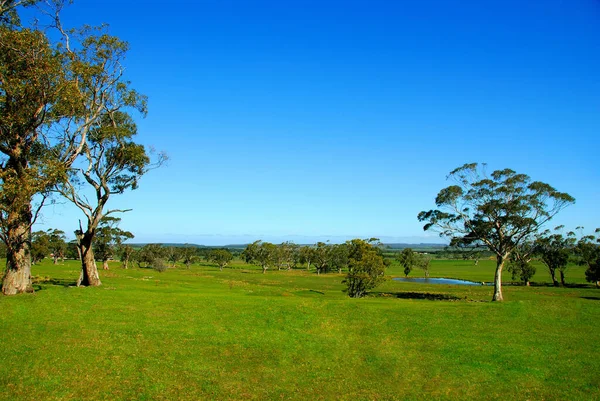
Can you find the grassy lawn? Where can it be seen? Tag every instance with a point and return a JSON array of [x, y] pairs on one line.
[[238, 334]]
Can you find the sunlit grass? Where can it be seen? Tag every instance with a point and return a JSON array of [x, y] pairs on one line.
[[239, 334]]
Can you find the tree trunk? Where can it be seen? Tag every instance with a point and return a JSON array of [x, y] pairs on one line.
[[17, 278], [498, 279], [55, 261], [264, 269], [307, 265], [553, 275], [105, 264], [562, 278], [89, 270]]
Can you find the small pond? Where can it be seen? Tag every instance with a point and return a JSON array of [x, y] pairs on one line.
[[448, 281]]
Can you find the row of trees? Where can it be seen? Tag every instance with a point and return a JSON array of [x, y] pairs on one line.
[[363, 260], [555, 250], [66, 129], [322, 257]]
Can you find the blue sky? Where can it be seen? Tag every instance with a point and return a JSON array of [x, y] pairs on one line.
[[313, 120]]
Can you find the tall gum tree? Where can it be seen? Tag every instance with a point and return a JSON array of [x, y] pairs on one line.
[[51, 95], [498, 211], [110, 164], [34, 93]]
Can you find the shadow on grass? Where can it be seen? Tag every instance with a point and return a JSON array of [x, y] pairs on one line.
[[592, 298], [416, 295], [567, 285], [39, 282]]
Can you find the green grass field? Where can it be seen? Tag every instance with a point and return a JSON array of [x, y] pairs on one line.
[[204, 334]]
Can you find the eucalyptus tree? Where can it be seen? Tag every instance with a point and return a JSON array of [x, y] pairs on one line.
[[366, 267], [40, 246], [423, 263], [338, 257], [587, 250], [34, 93], [57, 244], [126, 254], [173, 255], [261, 253], [286, 255], [111, 164], [8, 10], [498, 211], [52, 93], [109, 239], [408, 260], [554, 250], [222, 257], [189, 255], [306, 255], [520, 265], [321, 257], [150, 255]]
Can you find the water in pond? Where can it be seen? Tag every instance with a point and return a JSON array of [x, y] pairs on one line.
[[450, 281]]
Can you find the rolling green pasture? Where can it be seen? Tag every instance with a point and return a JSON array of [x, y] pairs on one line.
[[238, 334]]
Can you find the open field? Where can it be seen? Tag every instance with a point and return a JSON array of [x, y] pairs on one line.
[[238, 334]]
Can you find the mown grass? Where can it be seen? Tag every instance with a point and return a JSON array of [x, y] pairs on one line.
[[238, 334]]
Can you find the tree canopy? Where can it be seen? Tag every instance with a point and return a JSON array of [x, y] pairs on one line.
[[497, 211]]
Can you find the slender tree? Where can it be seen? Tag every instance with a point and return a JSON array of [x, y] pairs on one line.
[[126, 253], [112, 163], [57, 244], [408, 260], [499, 211]]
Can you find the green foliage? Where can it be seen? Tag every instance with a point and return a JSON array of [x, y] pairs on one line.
[[521, 270], [40, 246], [339, 257], [321, 257], [262, 253], [588, 253], [109, 238], [366, 268], [408, 260], [554, 251], [126, 253], [188, 255], [498, 211], [150, 255], [306, 255], [221, 257]]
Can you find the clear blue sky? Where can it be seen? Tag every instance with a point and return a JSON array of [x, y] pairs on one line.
[[305, 120]]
